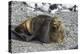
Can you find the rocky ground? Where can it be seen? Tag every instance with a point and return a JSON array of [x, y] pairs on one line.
[[20, 12]]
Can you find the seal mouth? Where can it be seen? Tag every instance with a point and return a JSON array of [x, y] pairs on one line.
[[54, 25]]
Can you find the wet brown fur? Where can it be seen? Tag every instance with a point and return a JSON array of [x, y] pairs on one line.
[[56, 30]]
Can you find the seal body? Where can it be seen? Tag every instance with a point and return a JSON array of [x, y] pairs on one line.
[[35, 28], [40, 26], [44, 28]]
